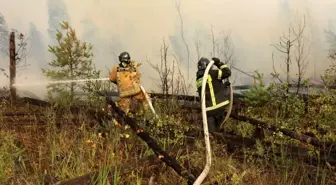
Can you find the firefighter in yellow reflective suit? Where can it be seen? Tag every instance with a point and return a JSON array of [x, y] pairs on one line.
[[127, 77]]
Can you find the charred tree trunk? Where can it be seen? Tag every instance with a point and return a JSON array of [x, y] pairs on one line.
[[12, 66]]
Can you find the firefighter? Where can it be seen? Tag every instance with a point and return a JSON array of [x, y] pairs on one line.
[[216, 96], [127, 77]]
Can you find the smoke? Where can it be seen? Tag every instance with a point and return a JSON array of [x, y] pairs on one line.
[[140, 26]]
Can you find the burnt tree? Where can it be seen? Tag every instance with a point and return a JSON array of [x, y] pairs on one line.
[[17, 52], [12, 66]]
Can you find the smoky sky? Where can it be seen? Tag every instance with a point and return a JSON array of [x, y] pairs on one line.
[[139, 27]]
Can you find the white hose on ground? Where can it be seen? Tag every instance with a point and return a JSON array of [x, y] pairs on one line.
[[206, 169], [148, 100]]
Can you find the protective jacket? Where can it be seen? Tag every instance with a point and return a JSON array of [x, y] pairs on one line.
[[127, 78], [216, 96]]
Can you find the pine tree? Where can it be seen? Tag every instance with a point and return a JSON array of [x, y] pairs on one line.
[[73, 60]]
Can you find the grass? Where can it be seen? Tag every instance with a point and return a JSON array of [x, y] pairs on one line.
[[32, 153]]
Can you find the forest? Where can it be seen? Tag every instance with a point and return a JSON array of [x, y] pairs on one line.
[[278, 133]]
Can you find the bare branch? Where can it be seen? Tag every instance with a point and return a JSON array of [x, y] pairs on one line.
[[181, 78], [227, 49], [278, 46], [198, 49], [4, 72], [275, 74], [164, 70], [212, 37], [301, 27], [22, 50], [301, 54]]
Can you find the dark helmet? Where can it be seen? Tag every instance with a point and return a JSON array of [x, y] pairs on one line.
[[203, 63], [124, 57]]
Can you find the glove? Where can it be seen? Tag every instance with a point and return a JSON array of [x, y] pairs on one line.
[[217, 61], [113, 82], [227, 83]]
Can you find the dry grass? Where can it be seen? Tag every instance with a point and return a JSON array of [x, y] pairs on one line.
[[33, 153]]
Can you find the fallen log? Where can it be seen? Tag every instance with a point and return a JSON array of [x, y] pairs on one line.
[[169, 96], [236, 142], [34, 101], [170, 161], [330, 147], [236, 96], [258, 123], [22, 119], [301, 137], [295, 151], [19, 114]]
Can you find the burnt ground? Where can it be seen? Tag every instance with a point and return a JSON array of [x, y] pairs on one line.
[[27, 121]]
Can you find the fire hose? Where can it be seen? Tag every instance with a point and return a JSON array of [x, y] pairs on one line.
[[206, 169], [230, 103], [148, 101]]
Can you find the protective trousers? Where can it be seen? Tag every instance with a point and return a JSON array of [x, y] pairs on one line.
[[214, 122], [125, 103]]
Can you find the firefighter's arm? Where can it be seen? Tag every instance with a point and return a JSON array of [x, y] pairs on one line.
[[138, 77], [136, 66], [113, 75], [223, 69]]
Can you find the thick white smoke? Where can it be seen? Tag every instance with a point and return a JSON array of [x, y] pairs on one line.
[[139, 27]]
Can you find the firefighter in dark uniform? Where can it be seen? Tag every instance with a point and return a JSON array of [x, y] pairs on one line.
[[216, 96]]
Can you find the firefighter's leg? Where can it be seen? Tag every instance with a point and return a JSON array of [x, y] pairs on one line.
[[213, 128], [211, 124], [143, 109], [141, 98], [145, 104], [219, 118], [124, 104]]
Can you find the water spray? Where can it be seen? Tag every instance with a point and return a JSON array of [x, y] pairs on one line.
[[82, 80], [230, 104], [57, 82]]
